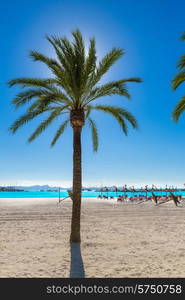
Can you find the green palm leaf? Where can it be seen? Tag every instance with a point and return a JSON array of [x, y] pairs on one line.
[[176, 82], [59, 132], [50, 62], [120, 114], [37, 82], [90, 63], [105, 64], [94, 132], [24, 119], [109, 89], [26, 96], [115, 112], [181, 63], [178, 79], [183, 36], [54, 114], [179, 109]]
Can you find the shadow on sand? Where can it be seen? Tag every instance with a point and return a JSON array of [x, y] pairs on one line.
[[77, 266]]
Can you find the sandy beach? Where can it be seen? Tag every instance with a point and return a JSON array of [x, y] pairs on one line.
[[118, 240]]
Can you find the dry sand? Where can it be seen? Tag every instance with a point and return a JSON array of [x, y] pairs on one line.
[[118, 240]]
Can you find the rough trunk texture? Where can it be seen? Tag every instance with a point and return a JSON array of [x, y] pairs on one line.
[[77, 121]]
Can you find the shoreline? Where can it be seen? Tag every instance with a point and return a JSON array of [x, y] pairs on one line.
[[44, 200]]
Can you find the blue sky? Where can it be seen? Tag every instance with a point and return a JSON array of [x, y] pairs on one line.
[[149, 31]]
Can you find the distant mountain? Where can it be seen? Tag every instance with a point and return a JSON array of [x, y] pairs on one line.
[[38, 187], [48, 187]]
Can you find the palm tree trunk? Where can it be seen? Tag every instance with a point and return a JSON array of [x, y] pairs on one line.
[[77, 185]]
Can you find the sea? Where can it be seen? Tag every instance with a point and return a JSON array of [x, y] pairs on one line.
[[85, 194]]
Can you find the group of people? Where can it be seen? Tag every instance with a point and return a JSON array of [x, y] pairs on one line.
[[105, 197], [132, 199], [142, 198], [157, 199]]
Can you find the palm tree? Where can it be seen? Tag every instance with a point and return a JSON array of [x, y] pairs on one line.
[[176, 82], [71, 91]]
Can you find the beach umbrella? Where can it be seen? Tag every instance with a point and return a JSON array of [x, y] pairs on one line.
[[124, 189], [107, 190], [146, 189], [166, 189], [133, 189], [101, 190], [59, 194], [116, 190]]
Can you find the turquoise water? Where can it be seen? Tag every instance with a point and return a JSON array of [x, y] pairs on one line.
[[89, 194]]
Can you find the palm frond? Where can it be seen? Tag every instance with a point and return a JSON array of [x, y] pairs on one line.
[[26, 96], [88, 110], [79, 63], [54, 114], [37, 82], [179, 109], [90, 63], [94, 133], [35, 106], [109, 89], [107, 61], [181, 63], [178, 80], [183, 36], [55, 96], [65, 56], [132, 79], [53, 65], [78, 44], [59, 132], [116, 113], [25, 118], [120, 114], [45, 87], [44, 101], [63, 51], [129, 117], [72, 59], [50, 62]]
